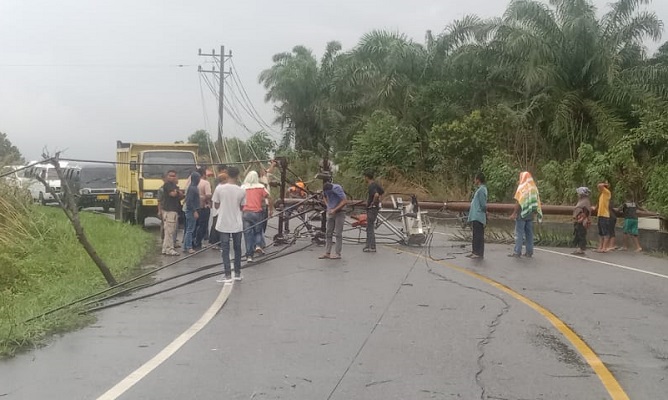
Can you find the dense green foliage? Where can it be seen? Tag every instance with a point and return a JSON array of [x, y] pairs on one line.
[[9, 154], [548, 87]]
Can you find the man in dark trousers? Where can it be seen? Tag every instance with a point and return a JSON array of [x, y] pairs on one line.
[[214, 236], [478, 217], [372, 207], [336, 200], [229, 200]]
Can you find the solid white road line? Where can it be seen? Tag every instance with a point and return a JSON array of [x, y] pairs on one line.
[[141, 372], [605, 263]]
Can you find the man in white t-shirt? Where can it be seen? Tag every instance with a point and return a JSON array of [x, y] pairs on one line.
[[229, 200]]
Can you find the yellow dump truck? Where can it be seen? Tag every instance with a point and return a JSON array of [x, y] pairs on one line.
[[139, 171]]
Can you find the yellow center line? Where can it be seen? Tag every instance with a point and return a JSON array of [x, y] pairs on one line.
[[609, 381]]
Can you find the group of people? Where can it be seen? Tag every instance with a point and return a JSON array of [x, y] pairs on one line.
[[528, 208], [235, 210], [241, 211], [607, 220]]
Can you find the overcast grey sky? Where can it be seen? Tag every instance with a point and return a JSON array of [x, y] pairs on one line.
[[78, 75]]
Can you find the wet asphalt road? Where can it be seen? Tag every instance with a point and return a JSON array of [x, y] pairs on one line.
[[389, 325]]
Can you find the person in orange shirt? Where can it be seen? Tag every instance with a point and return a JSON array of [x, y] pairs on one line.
[[253, 215], [296, 191], [603, 212]]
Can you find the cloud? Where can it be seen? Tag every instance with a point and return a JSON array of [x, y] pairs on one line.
[[108, 68]]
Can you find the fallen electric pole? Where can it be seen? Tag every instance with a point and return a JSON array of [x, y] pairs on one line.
[[463, 206]]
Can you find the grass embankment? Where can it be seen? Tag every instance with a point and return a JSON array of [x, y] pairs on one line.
[[42, 266]]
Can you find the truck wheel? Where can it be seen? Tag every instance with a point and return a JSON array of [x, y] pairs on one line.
[[126, 216], [139, 215], [118, 215]]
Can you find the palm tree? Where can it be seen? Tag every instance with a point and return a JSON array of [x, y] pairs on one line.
[[579, 73], [301, 90]]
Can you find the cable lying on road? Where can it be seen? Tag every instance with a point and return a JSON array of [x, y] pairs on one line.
[[269, 257], [110, 289], [127, 282]]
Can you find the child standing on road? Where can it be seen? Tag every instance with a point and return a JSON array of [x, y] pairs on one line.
[[629, 209], [612, 227], [372, 208], [581, 215]]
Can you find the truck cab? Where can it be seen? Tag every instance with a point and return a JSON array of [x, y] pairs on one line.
[[140, 170]]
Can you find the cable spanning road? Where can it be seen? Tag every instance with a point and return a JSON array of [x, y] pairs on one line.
[[397, 324]]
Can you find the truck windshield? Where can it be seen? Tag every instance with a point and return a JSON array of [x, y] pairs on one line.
[[97, 177], [181, 161]]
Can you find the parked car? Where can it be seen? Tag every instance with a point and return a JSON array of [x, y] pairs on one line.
[[94, 185]]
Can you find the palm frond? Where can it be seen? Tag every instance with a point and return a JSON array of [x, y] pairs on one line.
[[535, 16], [620, 14]]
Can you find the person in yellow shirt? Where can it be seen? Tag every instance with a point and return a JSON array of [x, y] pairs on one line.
[[603, 212]]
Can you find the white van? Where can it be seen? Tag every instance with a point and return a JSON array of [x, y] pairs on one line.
[[37, 190]]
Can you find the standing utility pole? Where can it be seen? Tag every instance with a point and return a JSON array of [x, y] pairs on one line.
[[222, 74]]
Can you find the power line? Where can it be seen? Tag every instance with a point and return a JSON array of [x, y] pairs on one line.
[[219, 59], [230, 108], [13, 171], [98, 65], [139, 163], [206, 119], [236, 78]]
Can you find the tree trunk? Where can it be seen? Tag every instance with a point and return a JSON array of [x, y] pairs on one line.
[[71, 211]]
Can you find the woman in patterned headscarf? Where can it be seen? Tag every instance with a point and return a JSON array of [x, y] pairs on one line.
[[581, 215], [528, 205]]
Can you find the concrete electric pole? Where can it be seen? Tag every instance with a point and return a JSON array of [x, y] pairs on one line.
[[222, 74]]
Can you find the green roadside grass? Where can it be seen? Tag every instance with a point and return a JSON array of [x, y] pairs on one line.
[[52, 269]]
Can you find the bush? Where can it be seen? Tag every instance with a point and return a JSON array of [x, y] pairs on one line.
[[458, 148], [502, 177], [657, 190], [384, 144]]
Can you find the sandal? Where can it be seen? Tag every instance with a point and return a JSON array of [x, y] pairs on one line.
[[324, 257], [335, 258]]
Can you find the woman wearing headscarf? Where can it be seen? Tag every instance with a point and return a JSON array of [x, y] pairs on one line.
[[253, 214], [528, 205], [581, 214], [192, 205]]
